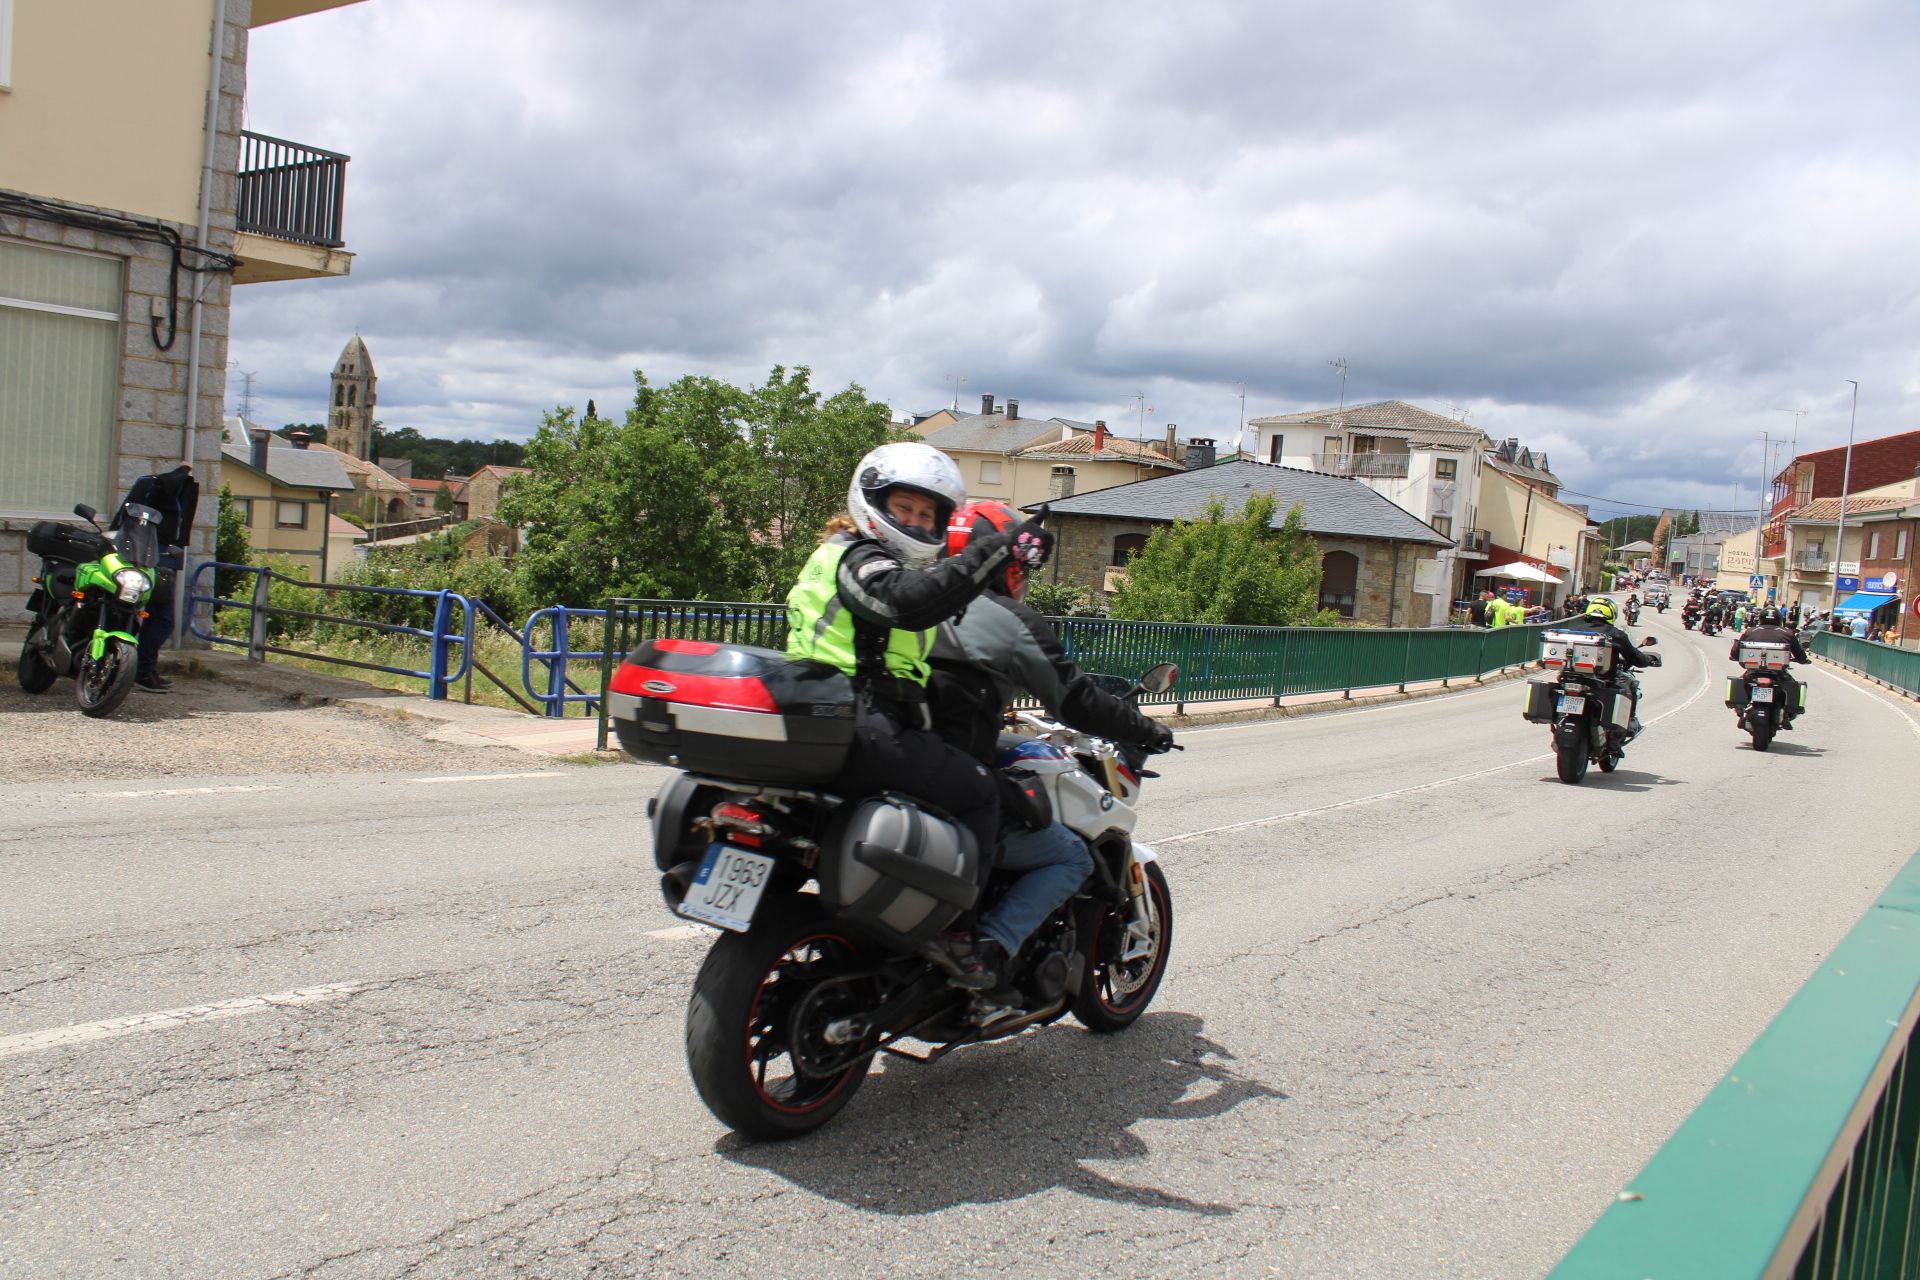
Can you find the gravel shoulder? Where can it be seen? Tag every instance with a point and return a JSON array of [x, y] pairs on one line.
[[271, 721]]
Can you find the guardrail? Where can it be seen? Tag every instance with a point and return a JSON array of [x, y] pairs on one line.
[[1801, 1161], [1885, 664], [1217, 663], [559, 619], [442, 634]]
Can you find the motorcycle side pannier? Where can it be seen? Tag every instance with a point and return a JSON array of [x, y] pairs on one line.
[[1540, 701], [51, 540], [1739, 694], [732, 711], [897, 869]]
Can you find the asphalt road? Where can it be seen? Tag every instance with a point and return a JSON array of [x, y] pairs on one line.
[[1429, 1010]]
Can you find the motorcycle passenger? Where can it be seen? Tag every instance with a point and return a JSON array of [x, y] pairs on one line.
[[1598, 620], [1771, 626], [982, 660], [868, 601]]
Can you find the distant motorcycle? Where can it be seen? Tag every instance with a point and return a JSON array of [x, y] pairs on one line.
[[1633, 613], [1690, 614], [1589, 705]]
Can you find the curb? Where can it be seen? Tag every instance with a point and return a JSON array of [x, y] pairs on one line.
[[1253, 715]]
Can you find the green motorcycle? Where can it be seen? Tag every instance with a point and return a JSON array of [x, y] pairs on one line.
[[87, 604]]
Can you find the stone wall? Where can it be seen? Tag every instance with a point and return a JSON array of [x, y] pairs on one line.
[[1085, 552], [151, 414]]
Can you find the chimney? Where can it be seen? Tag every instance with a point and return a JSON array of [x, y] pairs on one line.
[[1099, 436], [1171, 428], [1061, 485], [1200, 453], [1013, 410], [986, 403], [299, 439], [259, 452]]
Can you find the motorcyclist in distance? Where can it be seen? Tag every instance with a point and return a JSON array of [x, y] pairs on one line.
[[984, 659], [1771, 627], [1598, 620]]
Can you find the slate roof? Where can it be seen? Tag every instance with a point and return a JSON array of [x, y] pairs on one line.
[[993, 433], [1115, 449], [1397, 418], [316, 468], [1332, 506]]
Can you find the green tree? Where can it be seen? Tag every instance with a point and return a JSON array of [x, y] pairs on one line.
[[1237, 569], [230, 542], [443, 497], [1063, 599]]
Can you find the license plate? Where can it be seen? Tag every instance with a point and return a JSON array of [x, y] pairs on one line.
[[1571, 704], [728, 888], [1763, 695]]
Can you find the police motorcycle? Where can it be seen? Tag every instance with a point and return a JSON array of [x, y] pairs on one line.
[[829, 911], [1589, 706], [87, 604], [1758, 695]]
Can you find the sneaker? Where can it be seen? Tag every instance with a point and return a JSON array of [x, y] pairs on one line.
[[979, 966], [153, 682]]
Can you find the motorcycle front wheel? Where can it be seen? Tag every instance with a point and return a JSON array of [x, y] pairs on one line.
[[1115, 989], [35, 673], [755, 1041], [100, 686]]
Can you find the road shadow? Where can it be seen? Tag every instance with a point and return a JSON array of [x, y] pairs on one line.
[[1629, 780], [1781, 747], [1003, 1121]]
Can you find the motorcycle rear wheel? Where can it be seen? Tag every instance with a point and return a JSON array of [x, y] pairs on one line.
[[100, 687], [741, 1024], [1761, 730], [1570, 756], [35, 673], [1113, 994]]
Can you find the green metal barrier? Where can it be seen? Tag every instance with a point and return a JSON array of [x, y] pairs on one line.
[[1894, 667], [1217, 664], [1800, 1163]]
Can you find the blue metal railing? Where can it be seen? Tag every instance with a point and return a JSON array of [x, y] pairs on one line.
[[559, 619], [442, 634]]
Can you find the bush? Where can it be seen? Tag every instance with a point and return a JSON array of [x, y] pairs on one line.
[[1064, 599]]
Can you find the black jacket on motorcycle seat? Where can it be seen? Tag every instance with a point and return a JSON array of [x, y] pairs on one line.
[[1624, 650], [1000, 648], [1770, 635]]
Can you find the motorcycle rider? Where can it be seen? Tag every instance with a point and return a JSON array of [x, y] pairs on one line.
[[1633, 608], [1770, 626], [982, 660], [1598, 621], [1714, 612], [868, 601]]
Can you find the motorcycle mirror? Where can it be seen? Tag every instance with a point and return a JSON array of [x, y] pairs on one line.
[[1650, 642], [85, 512], [1159, 679]]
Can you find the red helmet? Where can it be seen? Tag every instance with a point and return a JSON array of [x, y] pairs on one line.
[[990, 516]]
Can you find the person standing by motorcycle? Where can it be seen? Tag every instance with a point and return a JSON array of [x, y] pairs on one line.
[[867, 603], [1599, 621], [1770, 627], [175, 495], [983, 659]]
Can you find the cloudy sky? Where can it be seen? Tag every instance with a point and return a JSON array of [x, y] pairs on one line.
[[1632, 235]]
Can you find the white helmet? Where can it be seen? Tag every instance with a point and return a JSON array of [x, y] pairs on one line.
[[921, 468]]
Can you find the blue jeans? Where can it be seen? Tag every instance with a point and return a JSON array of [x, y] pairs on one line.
[[1056, 863]]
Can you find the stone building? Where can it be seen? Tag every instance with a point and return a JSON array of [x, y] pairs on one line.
[[116, 272], [350, 419], [1372, 552]]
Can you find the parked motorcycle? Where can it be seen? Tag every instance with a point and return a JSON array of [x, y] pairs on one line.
[[801, 989], [87, 603], [1759, 694], [1589, 706]]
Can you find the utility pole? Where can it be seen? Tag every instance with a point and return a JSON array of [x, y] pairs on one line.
[[1760, 529], [1240, 433], [1846, 481]]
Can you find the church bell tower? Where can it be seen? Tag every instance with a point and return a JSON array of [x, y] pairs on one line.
[[350, 420]]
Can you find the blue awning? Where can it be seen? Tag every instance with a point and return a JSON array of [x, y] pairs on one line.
[[1863, 602]]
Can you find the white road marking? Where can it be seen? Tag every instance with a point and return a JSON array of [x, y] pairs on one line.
[[673, 933], [487, 777], [85, 1031], [1874, 693], [1705, 684], [177, 791]]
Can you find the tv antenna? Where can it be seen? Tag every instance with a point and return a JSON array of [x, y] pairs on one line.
[[1142, 408], [956, 379], [1340, 366], [1798, 414]]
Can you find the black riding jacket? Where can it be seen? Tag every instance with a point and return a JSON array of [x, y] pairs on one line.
[[997, 650], [1771, 634]]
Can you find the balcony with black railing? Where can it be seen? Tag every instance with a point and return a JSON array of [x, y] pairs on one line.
[[290, 191]]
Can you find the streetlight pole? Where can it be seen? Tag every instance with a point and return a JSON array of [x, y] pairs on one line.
[[1846, 481]]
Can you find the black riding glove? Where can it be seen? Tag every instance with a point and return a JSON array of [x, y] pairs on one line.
[[1159, 742], [1031, 543]]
